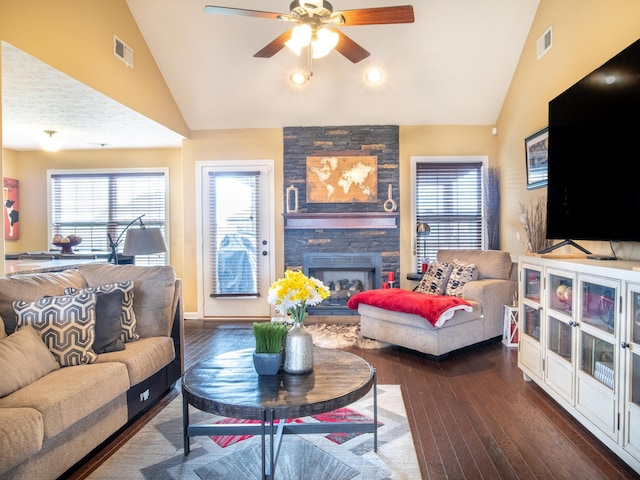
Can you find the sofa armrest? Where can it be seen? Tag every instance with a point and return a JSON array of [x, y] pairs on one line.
[[176, 368], [492, 294]]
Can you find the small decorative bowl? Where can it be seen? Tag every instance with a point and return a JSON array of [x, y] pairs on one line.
[[67, 246]]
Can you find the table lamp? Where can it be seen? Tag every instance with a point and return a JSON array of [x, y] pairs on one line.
[[139, 241]]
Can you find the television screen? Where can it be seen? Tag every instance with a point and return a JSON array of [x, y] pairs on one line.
[[594, 154]]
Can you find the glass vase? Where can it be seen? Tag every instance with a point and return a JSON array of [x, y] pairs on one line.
[[298, 350]]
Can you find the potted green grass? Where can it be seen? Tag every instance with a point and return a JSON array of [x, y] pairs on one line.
[[267, 357]]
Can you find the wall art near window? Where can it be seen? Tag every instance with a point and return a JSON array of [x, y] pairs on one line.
[[11, 209], [537, 155], [342, 179]]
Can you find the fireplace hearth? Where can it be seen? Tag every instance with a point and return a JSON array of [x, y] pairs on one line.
[[344, 274]]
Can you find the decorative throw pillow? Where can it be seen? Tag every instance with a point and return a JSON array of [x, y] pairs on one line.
[[461, 273], [128, 316], [435, 278], [24, 358], [66, 325], [108, 323]]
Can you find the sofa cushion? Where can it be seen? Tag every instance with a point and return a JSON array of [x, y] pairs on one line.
[[490, 263], [128, 316], [142, 358], [108, 322], [154, 288], [21, 435], [66, 324], [434, 281], [30, 287], [24, 358], [461, 274]]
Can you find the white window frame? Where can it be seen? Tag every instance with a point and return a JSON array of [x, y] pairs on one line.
[[415, 160], [80, 171]]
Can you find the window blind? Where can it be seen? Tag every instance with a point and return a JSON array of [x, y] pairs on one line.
[[90, 205], [233, 234], [449, 200]]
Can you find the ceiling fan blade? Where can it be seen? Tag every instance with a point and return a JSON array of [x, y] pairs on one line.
[[378, 16], [275, 46], [350, 49], [241, 12]]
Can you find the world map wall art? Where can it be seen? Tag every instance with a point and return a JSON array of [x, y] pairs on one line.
[[342, 179]]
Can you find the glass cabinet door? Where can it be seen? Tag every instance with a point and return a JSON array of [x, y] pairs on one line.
[[598, 359], [599, 306], [532, 284], [559, 338], [560, 293], [531, 322]]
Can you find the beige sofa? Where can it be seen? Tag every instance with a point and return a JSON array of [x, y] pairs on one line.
[[59, 414], [494, 288]]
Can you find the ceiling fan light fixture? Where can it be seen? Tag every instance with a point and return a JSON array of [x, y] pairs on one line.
[[298, 78], [373, 76], [49, 142], [323, 42], [300, 38]]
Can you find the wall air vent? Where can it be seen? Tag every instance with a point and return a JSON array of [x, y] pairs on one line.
[[544, 43], [123, 51]]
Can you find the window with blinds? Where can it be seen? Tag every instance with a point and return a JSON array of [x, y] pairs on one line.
[[91, 205], [449, 200], [233, 230]]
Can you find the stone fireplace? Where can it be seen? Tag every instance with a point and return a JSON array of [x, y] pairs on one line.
[[344, 274], [342, 243]]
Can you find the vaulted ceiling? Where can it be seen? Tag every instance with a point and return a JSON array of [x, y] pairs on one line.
[[452, 66]]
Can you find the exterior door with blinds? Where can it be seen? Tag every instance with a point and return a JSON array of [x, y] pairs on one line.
[[237, 238]]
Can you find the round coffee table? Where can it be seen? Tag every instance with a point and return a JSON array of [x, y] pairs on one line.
[[228, 385]]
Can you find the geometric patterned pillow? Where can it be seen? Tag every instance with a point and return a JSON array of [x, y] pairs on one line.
[[461, 273], [435, 278], [128, 317], [66, 324]]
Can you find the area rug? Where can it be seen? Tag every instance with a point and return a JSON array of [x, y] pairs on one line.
[[342, 335], [156, 451]]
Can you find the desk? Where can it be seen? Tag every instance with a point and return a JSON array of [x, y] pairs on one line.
[[338, 379]]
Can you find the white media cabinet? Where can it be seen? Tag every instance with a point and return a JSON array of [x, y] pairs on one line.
[[579, 326]]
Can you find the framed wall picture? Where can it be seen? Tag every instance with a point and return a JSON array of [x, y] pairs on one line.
[[537, 156], [342, 179], [10, 204]]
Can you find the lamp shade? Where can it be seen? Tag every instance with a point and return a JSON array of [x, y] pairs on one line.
[[144, 241]]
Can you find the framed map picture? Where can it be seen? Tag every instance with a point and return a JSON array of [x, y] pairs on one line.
[[342, 179], [10, 204]]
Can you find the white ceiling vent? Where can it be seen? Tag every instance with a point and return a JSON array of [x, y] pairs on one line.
[[544, 43], [123, 51]]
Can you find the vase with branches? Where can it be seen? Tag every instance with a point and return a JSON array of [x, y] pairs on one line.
[[534, 223]]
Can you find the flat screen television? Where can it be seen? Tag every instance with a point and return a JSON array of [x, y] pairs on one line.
[[594, 155]]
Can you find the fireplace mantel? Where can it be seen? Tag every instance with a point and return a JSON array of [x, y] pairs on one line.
[[340, 220]]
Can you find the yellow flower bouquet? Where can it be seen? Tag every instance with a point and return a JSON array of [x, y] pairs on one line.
[[292, 294]]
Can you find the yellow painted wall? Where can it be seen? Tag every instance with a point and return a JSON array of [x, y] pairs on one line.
[[218, 145], [76, 37], [586, 33], [434, 141], [30, 168]]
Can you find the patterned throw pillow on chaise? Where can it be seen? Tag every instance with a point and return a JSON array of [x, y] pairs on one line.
[[66, 324], [461, 273], [435, 278], [128, 317]]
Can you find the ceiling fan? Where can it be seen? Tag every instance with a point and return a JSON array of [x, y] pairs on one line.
[[315, 19]]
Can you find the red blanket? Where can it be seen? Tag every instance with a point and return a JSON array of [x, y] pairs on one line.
[[437, 309]]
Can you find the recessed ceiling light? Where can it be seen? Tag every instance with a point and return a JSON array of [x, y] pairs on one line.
[[298, 78], [373, 76]]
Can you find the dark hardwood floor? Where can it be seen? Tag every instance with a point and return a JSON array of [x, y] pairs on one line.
[[472, 416]]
